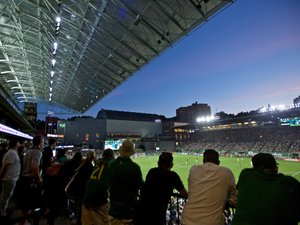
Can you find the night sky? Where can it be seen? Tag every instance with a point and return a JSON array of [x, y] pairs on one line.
[[246, 57]]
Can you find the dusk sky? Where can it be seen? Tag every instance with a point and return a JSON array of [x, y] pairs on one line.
[[245, 57]]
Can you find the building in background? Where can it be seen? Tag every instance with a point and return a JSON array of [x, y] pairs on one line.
[[30, 112], [109, 128], [189, 114], [297, 102]]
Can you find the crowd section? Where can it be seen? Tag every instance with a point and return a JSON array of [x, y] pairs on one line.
[[256, 139], [101, 188]]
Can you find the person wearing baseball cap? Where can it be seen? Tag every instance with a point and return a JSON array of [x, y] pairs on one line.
[[266, 197]]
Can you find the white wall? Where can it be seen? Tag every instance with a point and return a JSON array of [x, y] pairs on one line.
[[146, 129]]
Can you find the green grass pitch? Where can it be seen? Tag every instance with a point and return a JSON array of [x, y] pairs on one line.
[[183, 163]]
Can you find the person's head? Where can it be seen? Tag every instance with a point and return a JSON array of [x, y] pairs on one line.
[[165, 160], [77, 157], [52, 142], [265, 162], [3, 146], [127, 148], [61, 152], [14, 144], [108, 154], [37, 141], [91, 155], [212, 156]]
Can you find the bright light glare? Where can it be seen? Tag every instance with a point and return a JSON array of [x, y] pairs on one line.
[[58, 19], [263, 109], [52, 73], [55, 45], [9, 71], [50, 89], [53, 61], [205, 119], [51, 82], [9, 130]]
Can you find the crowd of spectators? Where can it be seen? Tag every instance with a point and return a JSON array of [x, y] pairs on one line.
[[255, 139], [112, 191]]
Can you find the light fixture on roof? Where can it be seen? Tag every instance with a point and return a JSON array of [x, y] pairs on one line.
[[55, 45], [53, 61], [50, 99], [50, 94], [51, 82], [50, 89], [8, 71], [137, 20], [52, 73], [58, 19]]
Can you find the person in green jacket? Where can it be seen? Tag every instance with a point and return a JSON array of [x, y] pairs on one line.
[[266, 197], [95, 203], [125, 183]]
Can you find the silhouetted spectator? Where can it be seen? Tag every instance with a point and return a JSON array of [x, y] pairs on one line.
[[47, 157], [125, 182], [57, 198], [79, 182], [266, 197], [157, 190], [95, 201], [28, 190], [61, 155]]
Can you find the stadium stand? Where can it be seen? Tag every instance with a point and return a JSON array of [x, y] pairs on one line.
[[255, 139]]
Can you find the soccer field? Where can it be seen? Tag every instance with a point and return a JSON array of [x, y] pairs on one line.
[[183, 163]]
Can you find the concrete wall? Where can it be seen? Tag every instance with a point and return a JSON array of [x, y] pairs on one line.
[[145, 129]]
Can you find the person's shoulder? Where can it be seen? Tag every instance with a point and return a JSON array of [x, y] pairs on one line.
[[135, 164], [225, 170], [46, 148], [289, 180]]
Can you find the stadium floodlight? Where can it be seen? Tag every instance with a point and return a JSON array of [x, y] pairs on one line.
[[281, 107], [51, 82], [263, 109], [50, 89], [273, 108], [205, 119], [52, 73], [58, 19], [53, 61]]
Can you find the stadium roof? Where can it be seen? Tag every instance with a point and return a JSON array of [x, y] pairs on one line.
[[74, 52], [132, 116]]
